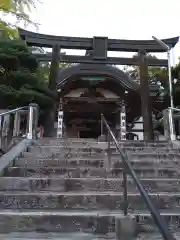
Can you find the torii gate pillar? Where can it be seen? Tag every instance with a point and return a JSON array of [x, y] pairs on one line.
[[146, 104], [50, 119]]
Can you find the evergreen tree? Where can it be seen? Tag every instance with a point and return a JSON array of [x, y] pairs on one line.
[[20, 84]]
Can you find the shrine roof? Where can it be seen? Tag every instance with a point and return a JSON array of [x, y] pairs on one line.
[[97, 69]]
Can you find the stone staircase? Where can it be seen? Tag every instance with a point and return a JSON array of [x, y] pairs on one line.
[[74, 190]]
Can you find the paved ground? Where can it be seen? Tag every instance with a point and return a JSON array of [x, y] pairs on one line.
[[74, 236]]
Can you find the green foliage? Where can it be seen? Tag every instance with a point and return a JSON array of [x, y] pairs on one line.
[[8, 62], [29, 95], [45, 90], [6, 5], [43, 72], [16, 55], [176, 72], [158, 125], [19, 82], [20, 9], [17, 79]]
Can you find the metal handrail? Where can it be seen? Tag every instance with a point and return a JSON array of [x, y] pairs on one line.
[[175, 109], [14, 111], [159, 220], [32, 118]]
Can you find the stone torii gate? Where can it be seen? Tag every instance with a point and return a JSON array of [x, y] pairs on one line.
[[99, 47]]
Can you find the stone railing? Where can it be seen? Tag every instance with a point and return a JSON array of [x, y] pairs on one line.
[[17, 124]]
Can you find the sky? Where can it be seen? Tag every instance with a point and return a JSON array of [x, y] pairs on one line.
[[120, 19]]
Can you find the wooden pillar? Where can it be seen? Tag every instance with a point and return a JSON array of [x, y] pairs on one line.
[[145, 97], [54, 67], [50, 119]]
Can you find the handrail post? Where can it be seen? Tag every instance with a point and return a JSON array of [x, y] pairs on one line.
[[109, 149], [166, 124], [101, 124], [125, 195], [32, 121], [16, 129]]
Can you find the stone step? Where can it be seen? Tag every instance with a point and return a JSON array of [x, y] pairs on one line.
[[153, 145], [146, 155], [97, 149], [83, 147], [40, 149], [149, 172], [96, 162], [99, 222], [42, 162], [97, 154], [61, 184], [56, 236], [154, 163], [105, 145], [58, 142], [156, 236], [86, 201], [50, 141], [148, 149], [143, 143], [76, 236], [62, 154]]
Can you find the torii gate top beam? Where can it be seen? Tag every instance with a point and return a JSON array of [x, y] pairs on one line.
[[42, 40]]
